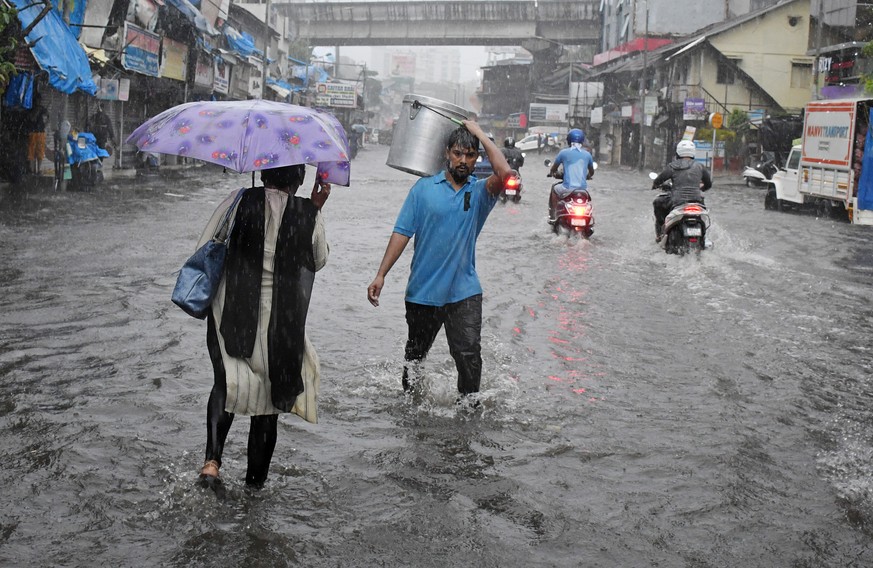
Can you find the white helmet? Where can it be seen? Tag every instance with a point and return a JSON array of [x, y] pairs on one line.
[[685, 149]]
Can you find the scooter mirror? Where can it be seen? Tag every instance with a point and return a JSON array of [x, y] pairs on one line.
[[652, 175], [547, 162], [594, 165]]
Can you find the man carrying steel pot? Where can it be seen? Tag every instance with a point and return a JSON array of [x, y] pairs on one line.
[[445, 213]]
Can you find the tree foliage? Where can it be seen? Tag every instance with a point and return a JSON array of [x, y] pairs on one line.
[[8, 43]]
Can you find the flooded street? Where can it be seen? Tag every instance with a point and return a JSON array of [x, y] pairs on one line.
[[639, 409]]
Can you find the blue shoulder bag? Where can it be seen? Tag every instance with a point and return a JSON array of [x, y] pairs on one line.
[[200, 275]]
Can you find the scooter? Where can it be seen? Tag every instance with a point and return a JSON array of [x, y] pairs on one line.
[[512, 188], [760, 174], [573, 213], [685, 226], [85, 159]]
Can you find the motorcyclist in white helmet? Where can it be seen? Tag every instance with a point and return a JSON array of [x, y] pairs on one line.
[[690, 180]]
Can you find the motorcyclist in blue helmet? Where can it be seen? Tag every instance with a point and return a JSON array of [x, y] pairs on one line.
[[578, 168]]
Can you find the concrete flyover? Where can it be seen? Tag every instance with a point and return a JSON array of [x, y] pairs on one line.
[[496, 22]]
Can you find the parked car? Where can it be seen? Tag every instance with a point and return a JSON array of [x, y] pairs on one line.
[[529, 143]]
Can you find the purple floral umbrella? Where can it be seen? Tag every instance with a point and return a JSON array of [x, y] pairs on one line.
[[250, 135]]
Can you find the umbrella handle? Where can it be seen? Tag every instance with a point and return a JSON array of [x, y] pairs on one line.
[[417, 105]]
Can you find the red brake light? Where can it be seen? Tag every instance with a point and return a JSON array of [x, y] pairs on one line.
[[512, 183], [579, 210], [693, 209]]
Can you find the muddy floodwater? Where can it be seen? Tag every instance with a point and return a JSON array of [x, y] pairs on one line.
[[638, 409]]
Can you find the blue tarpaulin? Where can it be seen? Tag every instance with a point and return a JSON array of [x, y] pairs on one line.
[[241, 43], [56, 50], [19, 92], [865, 184]]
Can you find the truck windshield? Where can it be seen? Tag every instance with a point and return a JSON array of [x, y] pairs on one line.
[[793, 160]]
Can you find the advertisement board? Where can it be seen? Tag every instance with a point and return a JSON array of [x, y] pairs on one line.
[[694, 109], [221, 76], [174, 59], [204, 72], [540, 112], [141, 51], [402, 65], [828, 128], [341, 95]]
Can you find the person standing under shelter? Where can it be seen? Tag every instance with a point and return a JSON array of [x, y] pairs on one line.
[[262, 360], [36, 136], [104, 132], [445, 214]]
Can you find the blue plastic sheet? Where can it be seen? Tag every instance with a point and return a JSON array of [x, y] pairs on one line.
[[91, 151], [56, 49], [865, 184], [241, 43], [19, 92]]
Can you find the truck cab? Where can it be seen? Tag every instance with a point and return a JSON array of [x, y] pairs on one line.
[[783, 187]]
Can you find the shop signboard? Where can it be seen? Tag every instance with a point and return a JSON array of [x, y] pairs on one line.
[[338, 95], [539, 112], [174, 59], [141, 51]]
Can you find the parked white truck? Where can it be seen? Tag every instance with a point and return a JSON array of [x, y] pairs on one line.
[[822, 172]]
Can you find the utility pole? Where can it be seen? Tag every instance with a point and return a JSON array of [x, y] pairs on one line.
[[815, 70], [266, 48], [642, 146]]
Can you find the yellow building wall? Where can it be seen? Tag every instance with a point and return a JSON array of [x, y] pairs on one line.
[[767, 47]]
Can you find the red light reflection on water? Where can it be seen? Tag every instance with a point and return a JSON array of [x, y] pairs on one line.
[[568, 296]]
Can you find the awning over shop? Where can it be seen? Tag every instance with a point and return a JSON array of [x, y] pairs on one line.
[[56, 50], [281, 91], [282, 87]]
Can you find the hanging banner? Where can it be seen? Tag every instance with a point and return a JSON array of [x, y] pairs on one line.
[[204, 70], [141, 52], [694, 109], [221, 79], [174, 59], [123, 89]]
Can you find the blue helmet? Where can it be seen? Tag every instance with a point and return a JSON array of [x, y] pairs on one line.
[[575, 136]]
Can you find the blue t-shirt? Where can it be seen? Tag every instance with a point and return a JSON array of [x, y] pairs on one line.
[[576, 164], [445, 224]]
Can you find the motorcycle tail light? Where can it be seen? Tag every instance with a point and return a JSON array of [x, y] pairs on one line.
[[693, 209], [579, 210], [512, 183]]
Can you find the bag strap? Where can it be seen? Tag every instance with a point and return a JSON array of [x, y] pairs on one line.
[[222, 233]]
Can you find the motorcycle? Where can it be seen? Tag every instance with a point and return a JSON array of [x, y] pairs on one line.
[[762, 172], [85, 158], [512, 188], [573, 213], [685, 226]]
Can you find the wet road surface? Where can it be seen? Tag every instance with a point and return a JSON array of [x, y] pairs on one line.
[[638, 409]]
